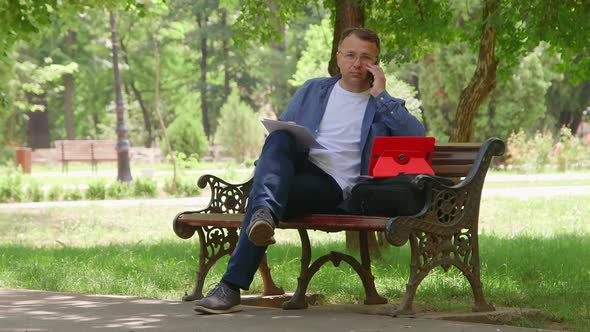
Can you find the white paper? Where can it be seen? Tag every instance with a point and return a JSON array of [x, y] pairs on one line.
[[301, 133]]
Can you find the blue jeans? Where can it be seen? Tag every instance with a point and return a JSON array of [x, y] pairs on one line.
[[287, 183]]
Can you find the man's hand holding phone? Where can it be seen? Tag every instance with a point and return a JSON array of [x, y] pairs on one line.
[[378, 84]]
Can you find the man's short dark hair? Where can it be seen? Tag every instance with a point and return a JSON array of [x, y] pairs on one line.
[[363, 34]]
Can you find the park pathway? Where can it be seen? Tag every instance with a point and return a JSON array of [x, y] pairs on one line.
[[29, 310]]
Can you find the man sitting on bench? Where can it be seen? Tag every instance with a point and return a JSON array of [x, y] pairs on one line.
[[345, 113]]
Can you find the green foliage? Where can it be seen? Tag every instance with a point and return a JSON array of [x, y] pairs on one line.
[[144, 187], [96, 190], [316, 55], [564, 25], [117, 190], [258, 20], [570, 152], [22, 19], [186, 162], [409, 29], [73, 194], [239, 131], [403, 90], [11, 189], [441, 78], [185, 187], [186, 135], [514, 104], [55, 193], [7, 154], [34, 192]]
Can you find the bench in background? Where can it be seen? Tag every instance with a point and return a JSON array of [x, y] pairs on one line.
[[444, 233], [91, 151]]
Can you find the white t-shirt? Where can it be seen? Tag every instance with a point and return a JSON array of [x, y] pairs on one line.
[[340, 132]]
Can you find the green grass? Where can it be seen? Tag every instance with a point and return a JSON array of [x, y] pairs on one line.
[[538, 183], [533, 252]]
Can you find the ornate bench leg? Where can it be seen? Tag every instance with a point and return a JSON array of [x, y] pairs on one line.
[[475, 278], [214, 243], [298, 301], [406, 307], [364, 271], [270, 288]]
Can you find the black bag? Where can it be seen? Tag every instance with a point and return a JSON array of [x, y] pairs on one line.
[[388, 197]]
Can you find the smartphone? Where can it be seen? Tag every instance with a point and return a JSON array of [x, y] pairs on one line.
[[370, 75]]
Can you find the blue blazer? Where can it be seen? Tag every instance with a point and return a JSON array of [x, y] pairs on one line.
[[384, 116]]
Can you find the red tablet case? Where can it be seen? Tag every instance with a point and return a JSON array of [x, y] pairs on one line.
[[394, 155]]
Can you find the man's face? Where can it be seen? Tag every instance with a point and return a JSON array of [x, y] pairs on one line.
[[353, 56]]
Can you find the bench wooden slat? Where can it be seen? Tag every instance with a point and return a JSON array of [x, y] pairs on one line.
[[320, 222], [453, 157], [451, 170]]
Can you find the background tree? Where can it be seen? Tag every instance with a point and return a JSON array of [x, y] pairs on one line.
[[123, 170]]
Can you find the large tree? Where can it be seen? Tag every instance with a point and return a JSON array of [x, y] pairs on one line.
[[502, 32]]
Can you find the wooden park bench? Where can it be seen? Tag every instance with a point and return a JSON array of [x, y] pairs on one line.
[[91, 151], [444, 233]]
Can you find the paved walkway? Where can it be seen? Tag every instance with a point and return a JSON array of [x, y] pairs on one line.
[[26, 310]]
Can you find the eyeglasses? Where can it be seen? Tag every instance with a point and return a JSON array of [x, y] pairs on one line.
[[352, 57]]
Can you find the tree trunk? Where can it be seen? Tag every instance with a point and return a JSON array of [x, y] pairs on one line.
[[38, 129], [278, 86], [159, 113], [225, 46], [415, 82], [123, 170], [202, 22], [147, 123], [349, 13], [483, 80], [68, 80]]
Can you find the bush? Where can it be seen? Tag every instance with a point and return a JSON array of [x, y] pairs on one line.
[[186, 135], [144, 187], [34, 192], [55, 193], [118, 190], [534, 154], [239, 131], [96, 190], [185, 187], [529, 154], [11, 187], [73, 194], [7, 154], [186, 162], [570, 152]]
